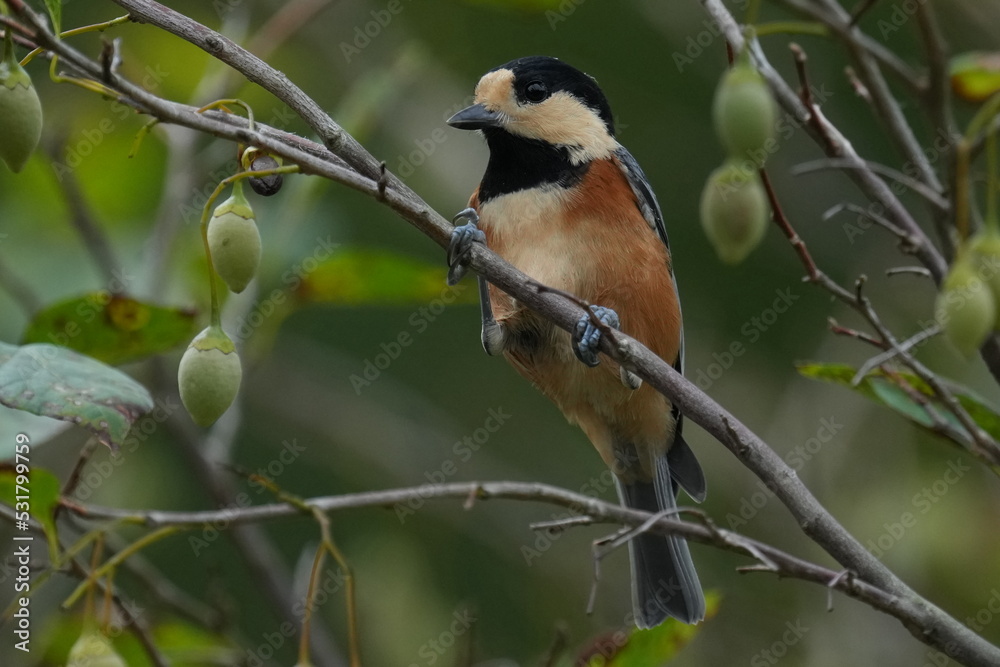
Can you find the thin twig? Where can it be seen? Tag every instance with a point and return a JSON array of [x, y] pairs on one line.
[[891, 354], [94, 239], [915, 270], [860, 10], [906, 240], [939, 202]]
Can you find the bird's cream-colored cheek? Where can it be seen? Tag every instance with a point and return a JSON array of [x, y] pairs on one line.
[[563, 120]]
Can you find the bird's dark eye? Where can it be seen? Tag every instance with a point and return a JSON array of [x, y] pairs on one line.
[[536, 91]]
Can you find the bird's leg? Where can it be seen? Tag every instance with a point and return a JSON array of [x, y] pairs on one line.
[[494, 334]]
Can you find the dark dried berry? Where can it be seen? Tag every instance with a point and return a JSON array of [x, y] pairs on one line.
[[265, 185]]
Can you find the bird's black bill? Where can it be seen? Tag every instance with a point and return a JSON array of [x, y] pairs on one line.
[[476, 117]]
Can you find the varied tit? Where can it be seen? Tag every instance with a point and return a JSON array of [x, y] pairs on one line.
[[566, 204]]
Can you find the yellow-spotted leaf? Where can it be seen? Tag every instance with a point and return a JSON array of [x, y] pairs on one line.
[[975, 77], [112, 328], [362, 276], [56, 382]]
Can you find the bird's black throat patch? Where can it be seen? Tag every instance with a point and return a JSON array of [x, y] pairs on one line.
[[517, 163]]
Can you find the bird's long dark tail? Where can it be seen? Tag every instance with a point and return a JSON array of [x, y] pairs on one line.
[[664, 581]]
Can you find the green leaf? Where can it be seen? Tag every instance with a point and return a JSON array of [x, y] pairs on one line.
[[43, 496], [885, 389], [648, 648], [975, 77], [56, 382], [188, 644], [55, 13], [112, 328], [184, 644], [363, 276]]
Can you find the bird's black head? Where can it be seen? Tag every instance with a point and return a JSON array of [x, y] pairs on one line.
[[543, 99]]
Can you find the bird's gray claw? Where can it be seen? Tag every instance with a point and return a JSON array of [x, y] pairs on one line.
[[587, 337], [629, 379], [462, 238]]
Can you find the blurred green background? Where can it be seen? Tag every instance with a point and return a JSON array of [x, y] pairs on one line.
[[658, 62]]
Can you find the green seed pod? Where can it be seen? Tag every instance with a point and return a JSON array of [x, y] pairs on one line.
[[20, 111], [744, 112], [93, 649], [209, 376], [267, 185], [234, 240], [734, 211], [965, 308], [986, 250]]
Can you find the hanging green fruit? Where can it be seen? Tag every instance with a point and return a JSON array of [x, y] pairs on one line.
[[20, 111], [966, 306], [986, 249], [234, 240], [745, 113], [734, 211], [209, 375], [93, 649]]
